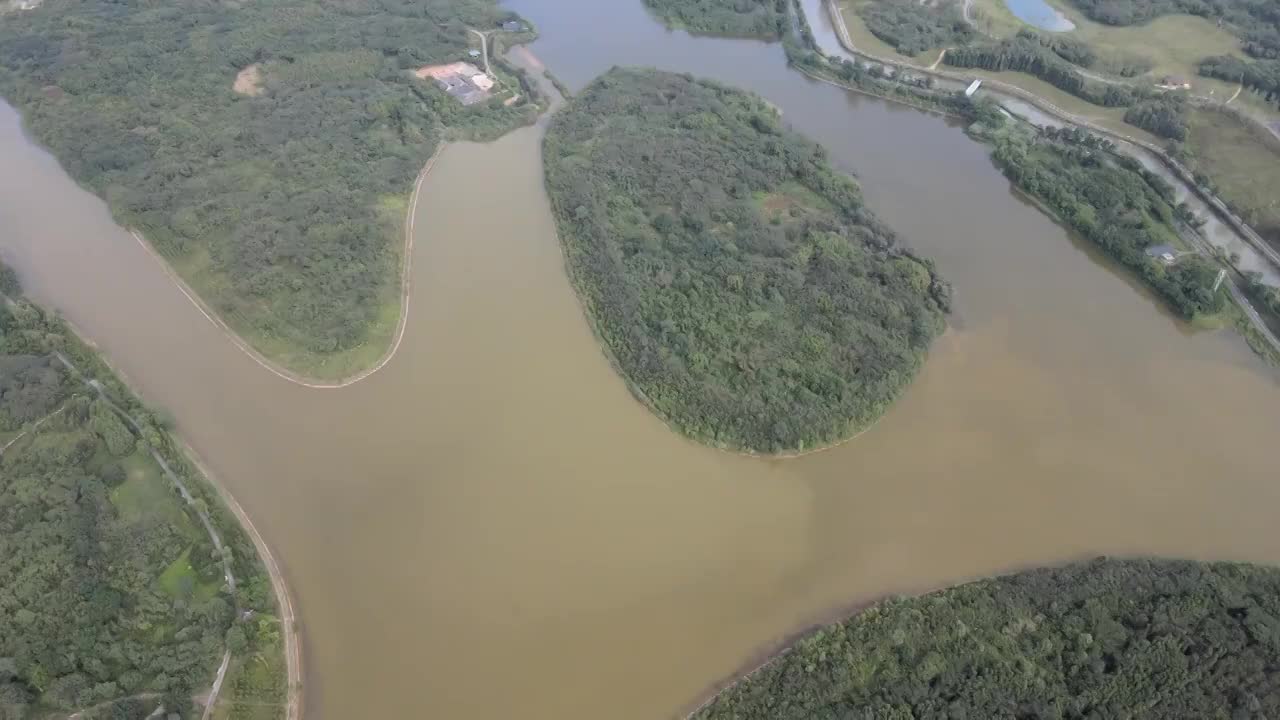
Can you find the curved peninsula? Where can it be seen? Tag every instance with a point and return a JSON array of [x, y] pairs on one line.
[[126, 584], [267, 150], [1144, 639], [740, 284]]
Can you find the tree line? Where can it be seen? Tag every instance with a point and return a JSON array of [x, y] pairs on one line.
[[1260, 76], [740, 284], [111, 592], [1142, 639], [741, 18], [1025, 53], [1165, 117], [912, 27]]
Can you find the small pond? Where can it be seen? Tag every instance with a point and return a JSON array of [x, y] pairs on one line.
[[1040, 14]]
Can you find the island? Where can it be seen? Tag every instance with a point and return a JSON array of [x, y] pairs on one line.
[[1142, 638], [765, 19], [268, 150], [739, 284], [127, 584]]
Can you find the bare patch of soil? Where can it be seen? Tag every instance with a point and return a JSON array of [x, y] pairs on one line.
[[249, 81]]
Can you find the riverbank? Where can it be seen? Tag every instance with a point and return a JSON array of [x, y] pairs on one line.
[[406, 267], [955, 651], [84, 366], [1261, 338], [1184, 175]]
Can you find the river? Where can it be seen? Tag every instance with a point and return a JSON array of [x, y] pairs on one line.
[[492, 527]]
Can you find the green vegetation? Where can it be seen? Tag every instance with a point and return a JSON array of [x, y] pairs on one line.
[[1027, 53], [283, 208], [1113, 201], [912, 27], [1260, 76], [742, 18], [1240, 162], [739, 283], [111, 591], [1141, 639], [1164, 117]]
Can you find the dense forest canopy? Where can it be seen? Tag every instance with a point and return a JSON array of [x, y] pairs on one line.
[[1141, 639], [912, 27], [743, 18], [110, 590], [1113, 201], [740, 284], [279, 206]]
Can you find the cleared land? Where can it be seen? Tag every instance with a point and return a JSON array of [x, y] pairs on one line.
[[249, 81]]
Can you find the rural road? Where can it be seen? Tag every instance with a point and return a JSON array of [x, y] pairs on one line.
[[484, 48]]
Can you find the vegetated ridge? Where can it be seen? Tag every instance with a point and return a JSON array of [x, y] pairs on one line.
[[281, 207], [740, 284], [1142, 639], [742, 18], [112, 592]]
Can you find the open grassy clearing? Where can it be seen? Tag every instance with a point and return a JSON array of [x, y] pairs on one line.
[[1244, 163], [180, 580], [1173, 44]]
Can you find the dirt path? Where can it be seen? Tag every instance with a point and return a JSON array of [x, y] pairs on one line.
[[288, 616], [275, 368], [33, 428], [1236, 95], [484, 48]]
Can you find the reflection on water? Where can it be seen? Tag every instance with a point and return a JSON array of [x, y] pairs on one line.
[[1040, 14], [491, 527]]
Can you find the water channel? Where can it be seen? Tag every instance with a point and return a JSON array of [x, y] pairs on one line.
[[491, 527]]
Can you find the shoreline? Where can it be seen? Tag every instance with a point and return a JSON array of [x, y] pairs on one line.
[[406, 264], [1216, 205], [289, 635]]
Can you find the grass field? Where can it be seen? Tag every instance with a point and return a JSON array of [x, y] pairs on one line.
[[1244, 162], [180, 580], [1173, 44], [146, 493]]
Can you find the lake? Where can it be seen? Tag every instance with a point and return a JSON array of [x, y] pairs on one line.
[[492, 527], [1040, 14]]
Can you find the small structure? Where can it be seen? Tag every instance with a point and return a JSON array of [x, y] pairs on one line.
[[1166, 254], [1174, 82], [462, 80], [513, 26], [973, 88]]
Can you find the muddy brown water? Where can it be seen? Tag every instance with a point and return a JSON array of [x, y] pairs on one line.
[[491, 527]]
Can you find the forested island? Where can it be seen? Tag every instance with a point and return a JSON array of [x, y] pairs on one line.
[[265, 149], [113, 595], [765, 19], [740, 285], [1142, 639]]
